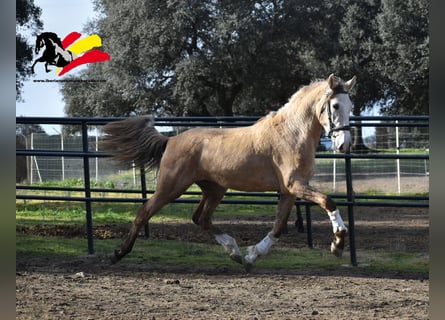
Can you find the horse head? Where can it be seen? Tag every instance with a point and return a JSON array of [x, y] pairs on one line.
[[334, 113], [40, 43], [48, 40]]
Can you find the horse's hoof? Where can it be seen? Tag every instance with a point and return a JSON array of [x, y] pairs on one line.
[[115, 257], [237, 258], [335, 250], [338, 244], [248, 266], [250, 258]]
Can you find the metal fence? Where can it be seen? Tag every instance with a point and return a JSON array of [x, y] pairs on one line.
[[86, 153]]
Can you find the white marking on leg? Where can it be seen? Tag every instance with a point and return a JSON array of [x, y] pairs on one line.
[[251, 255], [337, 221], [260, 249], [229, 244]]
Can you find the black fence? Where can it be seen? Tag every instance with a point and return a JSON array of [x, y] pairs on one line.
[[348, 199]]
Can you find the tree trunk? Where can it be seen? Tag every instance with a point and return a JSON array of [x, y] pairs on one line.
[[358, 146], [226, 97]]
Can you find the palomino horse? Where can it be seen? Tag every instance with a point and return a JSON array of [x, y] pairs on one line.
[[275, 154], [54, 53]]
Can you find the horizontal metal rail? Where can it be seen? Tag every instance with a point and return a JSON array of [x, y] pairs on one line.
[[411, 204], [362, 121], [374, 200], [94, 154], [350, 200]]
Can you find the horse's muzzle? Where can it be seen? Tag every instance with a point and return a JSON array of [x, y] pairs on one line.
[[344, 148], [341, 141]]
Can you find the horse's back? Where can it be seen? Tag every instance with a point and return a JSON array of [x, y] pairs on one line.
[[229, 157]]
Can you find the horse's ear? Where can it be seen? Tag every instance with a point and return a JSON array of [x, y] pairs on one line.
[[331, 81], [349, 84]]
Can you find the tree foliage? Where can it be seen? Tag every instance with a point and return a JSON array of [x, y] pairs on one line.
[[27, 19], [226, 57], [404, 54], [27, 129]]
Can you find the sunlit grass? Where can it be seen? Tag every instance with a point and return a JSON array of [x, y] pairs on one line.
[[51, 212], [169, 252], [179, 253]]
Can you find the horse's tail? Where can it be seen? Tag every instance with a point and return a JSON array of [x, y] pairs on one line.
[[135, 140]]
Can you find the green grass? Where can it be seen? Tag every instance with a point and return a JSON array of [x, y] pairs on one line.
[[30, 212], [177, 253], [169, 252]]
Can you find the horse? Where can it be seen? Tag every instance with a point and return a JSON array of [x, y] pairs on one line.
[[54, 53], [276, 153]]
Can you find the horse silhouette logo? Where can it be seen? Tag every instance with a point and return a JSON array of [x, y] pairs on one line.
[[68, 53]]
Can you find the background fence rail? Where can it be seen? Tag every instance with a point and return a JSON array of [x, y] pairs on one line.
[[348, 198]]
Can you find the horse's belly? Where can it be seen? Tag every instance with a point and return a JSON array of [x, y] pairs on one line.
[[251, 184], [243, 176]]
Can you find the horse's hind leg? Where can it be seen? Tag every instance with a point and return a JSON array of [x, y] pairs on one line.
[[212, 194], [46, 67], [262, 248], [165, 193], [41, 59], [144, 213]]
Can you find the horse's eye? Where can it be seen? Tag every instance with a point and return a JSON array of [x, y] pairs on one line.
[[336, 106]]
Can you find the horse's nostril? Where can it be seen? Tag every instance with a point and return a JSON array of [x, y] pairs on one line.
[[345, 147]]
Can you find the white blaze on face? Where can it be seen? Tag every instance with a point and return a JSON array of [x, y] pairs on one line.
[[341, 106]]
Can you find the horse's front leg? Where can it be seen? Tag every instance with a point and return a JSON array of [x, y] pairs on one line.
[[262, 247], [212, 194], [41, 59], [309, 193], [32, 67]]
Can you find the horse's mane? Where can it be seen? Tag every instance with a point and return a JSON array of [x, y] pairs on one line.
[[52, 36], [303, 103], [298, 106]]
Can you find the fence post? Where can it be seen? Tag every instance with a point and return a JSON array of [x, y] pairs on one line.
[[31, 167], [62, 148], [97, 159], [144, 196], [334, 174], [309, 226], [87, 184], [350, 197], [299, 222], [398, 159]]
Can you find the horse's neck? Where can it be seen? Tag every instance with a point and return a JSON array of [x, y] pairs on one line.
[[300, 113], [48, 42], [298, 120]]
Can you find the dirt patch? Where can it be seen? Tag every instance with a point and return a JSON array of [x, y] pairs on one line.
[[90, 288], [390, 229]]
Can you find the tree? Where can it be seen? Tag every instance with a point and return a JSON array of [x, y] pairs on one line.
[[27, 129], [27, 19], [403, 55], [226, 57], [386, 44], [355, 56], [203, 57]]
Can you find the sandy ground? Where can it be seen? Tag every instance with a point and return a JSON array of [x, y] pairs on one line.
[[88, 287]]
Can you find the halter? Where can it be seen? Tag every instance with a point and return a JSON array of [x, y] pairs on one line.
[[327, 105]]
